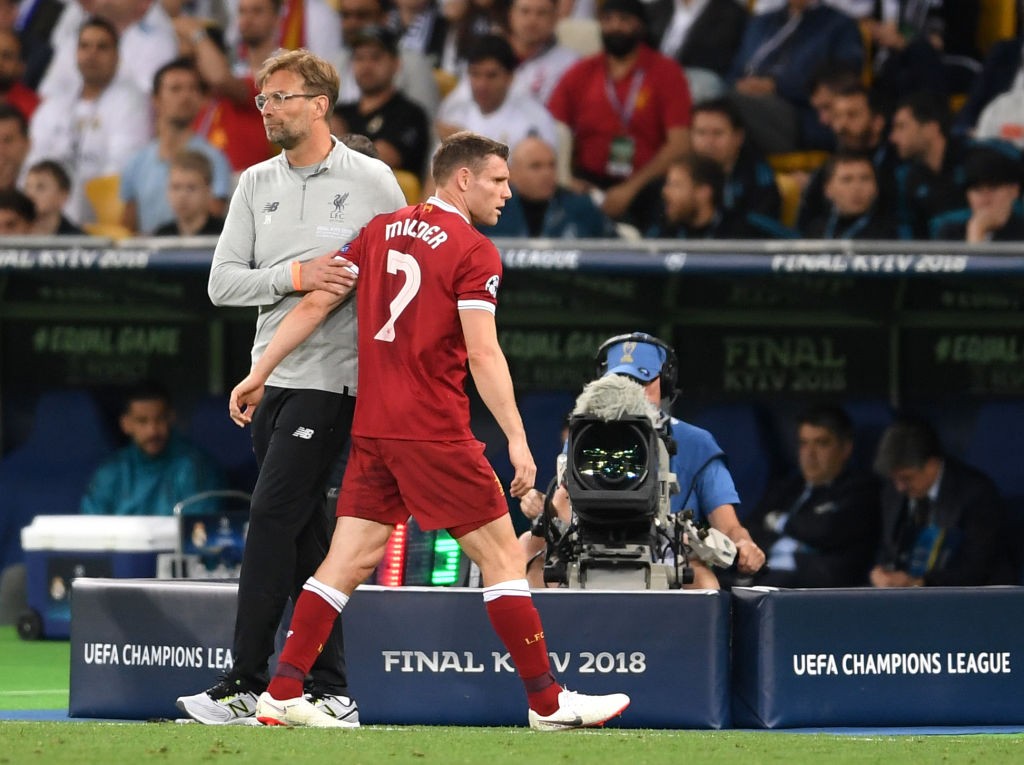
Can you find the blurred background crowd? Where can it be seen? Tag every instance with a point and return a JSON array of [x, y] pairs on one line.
[[710, 119]]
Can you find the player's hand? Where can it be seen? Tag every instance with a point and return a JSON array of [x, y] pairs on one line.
[[532, 504], [244, 399], [749, 557], [330, 272], [526, 470]]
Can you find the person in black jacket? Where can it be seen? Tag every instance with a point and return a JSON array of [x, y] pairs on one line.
[[717, 131], [819, 526], [702, 42], [931, 180], [693, 207], [854, 211], [993, 213], [857, 119], [943, 521]]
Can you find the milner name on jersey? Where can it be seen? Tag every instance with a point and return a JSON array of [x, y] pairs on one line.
[[434, 236]]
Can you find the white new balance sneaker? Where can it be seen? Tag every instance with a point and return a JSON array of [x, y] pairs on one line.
[[298, 712], [338, 707], [226, 703], [576, 710]]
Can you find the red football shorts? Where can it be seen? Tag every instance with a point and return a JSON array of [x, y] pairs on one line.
[[442, 484]]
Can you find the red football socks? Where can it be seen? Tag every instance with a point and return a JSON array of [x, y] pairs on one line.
[[517, 623], [317, 608]]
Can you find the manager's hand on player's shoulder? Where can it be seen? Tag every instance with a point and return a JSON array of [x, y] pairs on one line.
[[330, 272]]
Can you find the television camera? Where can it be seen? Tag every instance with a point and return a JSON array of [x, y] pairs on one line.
[[622, 534]]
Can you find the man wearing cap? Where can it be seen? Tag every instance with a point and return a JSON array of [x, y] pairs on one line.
[[398, 126], [993, 196], [705, 485], [628, 109]]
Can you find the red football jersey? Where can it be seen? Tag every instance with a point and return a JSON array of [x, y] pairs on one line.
[[418, 267]]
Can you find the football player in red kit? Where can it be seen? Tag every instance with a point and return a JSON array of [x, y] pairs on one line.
[[428, 285]]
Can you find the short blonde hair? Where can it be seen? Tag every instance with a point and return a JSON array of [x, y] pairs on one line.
[[320, 76], [196, 161]]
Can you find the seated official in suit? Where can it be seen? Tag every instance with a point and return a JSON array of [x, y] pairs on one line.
[[819, 527], [943, 521]]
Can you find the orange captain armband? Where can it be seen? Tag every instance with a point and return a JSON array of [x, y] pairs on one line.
[[297, 275]]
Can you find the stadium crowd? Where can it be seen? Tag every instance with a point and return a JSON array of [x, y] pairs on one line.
[[715, 119]]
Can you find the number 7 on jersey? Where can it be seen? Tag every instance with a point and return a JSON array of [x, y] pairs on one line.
[[406, 263]]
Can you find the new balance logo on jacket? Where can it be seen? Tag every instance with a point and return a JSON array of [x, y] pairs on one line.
[[304, 433]]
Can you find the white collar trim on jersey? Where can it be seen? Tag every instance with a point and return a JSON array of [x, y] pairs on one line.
[[445, 206]]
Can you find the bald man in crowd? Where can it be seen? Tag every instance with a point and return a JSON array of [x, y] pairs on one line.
[[539, 207]]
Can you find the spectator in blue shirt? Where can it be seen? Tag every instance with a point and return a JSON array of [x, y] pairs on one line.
[[157, 469], [771, 72], [177, 100]]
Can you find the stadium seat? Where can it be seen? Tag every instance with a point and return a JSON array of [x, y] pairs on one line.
[[997, 20], [789, 190], [580, 35], [797, 161], [995, 446], [996, 443], [871, 416], [103, 194], [410, 185], [867, 73], [49, 472], [446, 82], [743, 434], [210, 428]]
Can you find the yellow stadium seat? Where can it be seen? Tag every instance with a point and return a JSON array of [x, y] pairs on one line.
[[789, 190], [103, 194], [446, 82], [867, 74], [410, 185], [797, 161], [997, 20]]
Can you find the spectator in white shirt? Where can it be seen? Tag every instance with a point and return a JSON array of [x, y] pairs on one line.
[[91, 129], [495, 110], [541, 60], [177, 99], [146, 41], [415, 78]]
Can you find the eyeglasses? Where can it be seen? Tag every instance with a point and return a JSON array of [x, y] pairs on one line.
[[276, 100]]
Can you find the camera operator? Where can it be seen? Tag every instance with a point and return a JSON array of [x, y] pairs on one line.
[[706, 487]]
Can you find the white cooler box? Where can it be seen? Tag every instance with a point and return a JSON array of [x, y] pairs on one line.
[[59, 548]]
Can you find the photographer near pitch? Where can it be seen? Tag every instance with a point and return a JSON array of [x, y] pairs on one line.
[[705, 485]]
